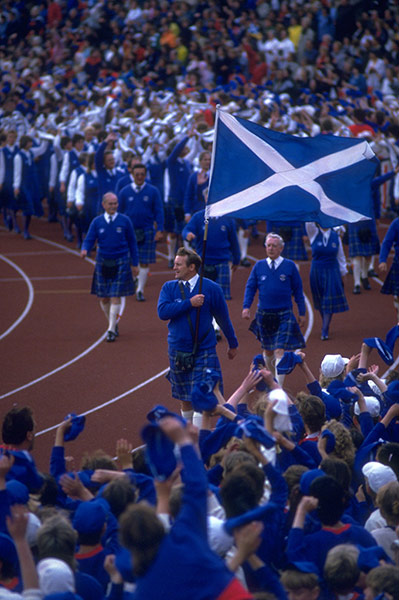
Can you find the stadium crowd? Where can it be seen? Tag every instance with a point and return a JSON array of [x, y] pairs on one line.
[[270, 496]]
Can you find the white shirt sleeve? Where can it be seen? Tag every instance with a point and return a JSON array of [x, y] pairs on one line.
[[52, 180], [64, 168], [41, 149], [2, 167], [341, 258], [17, 172], [72, 187], [80, 190], [311, 231]]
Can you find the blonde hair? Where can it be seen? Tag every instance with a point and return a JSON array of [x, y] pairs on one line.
[[388, 502], [344, 446]]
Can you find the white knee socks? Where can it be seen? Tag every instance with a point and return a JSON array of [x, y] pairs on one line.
[[142, 278]]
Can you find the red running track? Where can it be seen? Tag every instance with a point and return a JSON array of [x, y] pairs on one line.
[[52, 357]]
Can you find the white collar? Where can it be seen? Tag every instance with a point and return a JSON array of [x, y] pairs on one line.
[[192, 282], [277, 261], [110, 218]]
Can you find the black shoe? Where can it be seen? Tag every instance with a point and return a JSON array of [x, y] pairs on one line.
[[365, 283], [356, 289], [245, 262], [140, 297], [27, 235], [9, 223], [68, 237], [116, 330], [171, 263], [111, 336], [371, 273], [324, 337], [17, 229]]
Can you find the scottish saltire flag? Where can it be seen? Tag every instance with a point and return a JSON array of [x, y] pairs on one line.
[[258, 173]]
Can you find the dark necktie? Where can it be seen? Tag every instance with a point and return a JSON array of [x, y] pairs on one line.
[[188, 287], [273, 266]]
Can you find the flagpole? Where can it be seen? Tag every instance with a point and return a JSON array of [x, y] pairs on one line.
[[206, 223]]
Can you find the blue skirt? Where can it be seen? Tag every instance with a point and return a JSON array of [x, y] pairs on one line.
[[120, 285], [363, 239], [391, 283], [182, 382], [327, 288], [287, 336]]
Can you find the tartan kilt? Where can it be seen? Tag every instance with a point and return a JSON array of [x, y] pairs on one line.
[[327, 289], [294, 249], [391, 283], [223, 278], [183, 382], [359, 248], [147, 248], [121, 285], [287, 336]]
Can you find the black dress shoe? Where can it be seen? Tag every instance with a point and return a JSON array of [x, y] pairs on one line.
[[140, 297], [371, 273], [324, 338], [356, 289], [171, 263], [365, 283], [245, 262], [111, 336]]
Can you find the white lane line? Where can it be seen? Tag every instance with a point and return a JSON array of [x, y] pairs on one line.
[[31, 296], [112, 401], [76, 358], [61, 277], [33, 253]]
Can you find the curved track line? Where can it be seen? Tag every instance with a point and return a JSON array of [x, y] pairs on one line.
[[79, 356], [112, 401], [30, 296]]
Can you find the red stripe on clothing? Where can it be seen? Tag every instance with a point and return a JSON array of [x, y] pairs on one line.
[[89, 554], [337, 531], [11, 585], [235, 591]]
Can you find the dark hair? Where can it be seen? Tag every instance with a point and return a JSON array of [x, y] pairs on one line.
[[119, 493], [384, 578], [331, 497], [312, 411], [239, 493], [192, 258], [339, 469], [388, 454], [7, 569], [98, 460], [90, 539], [139, 166], [16, 424], [142, 533], [77, 137]]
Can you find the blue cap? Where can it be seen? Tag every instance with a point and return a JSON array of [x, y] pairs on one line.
[[305, 567], [77, 426], [159, 452], [333, 406], [369, 558], [7, 550], [383, 350], [90, 517], [202, 396], [255, 514], [253, 428], [159, 412], [339, 391], [392, 392], [330, 444], [391, 337], [307, 479], [288, 362], [18, 493]]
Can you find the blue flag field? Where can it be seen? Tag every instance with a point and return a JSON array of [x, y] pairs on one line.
[[258, 173]]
